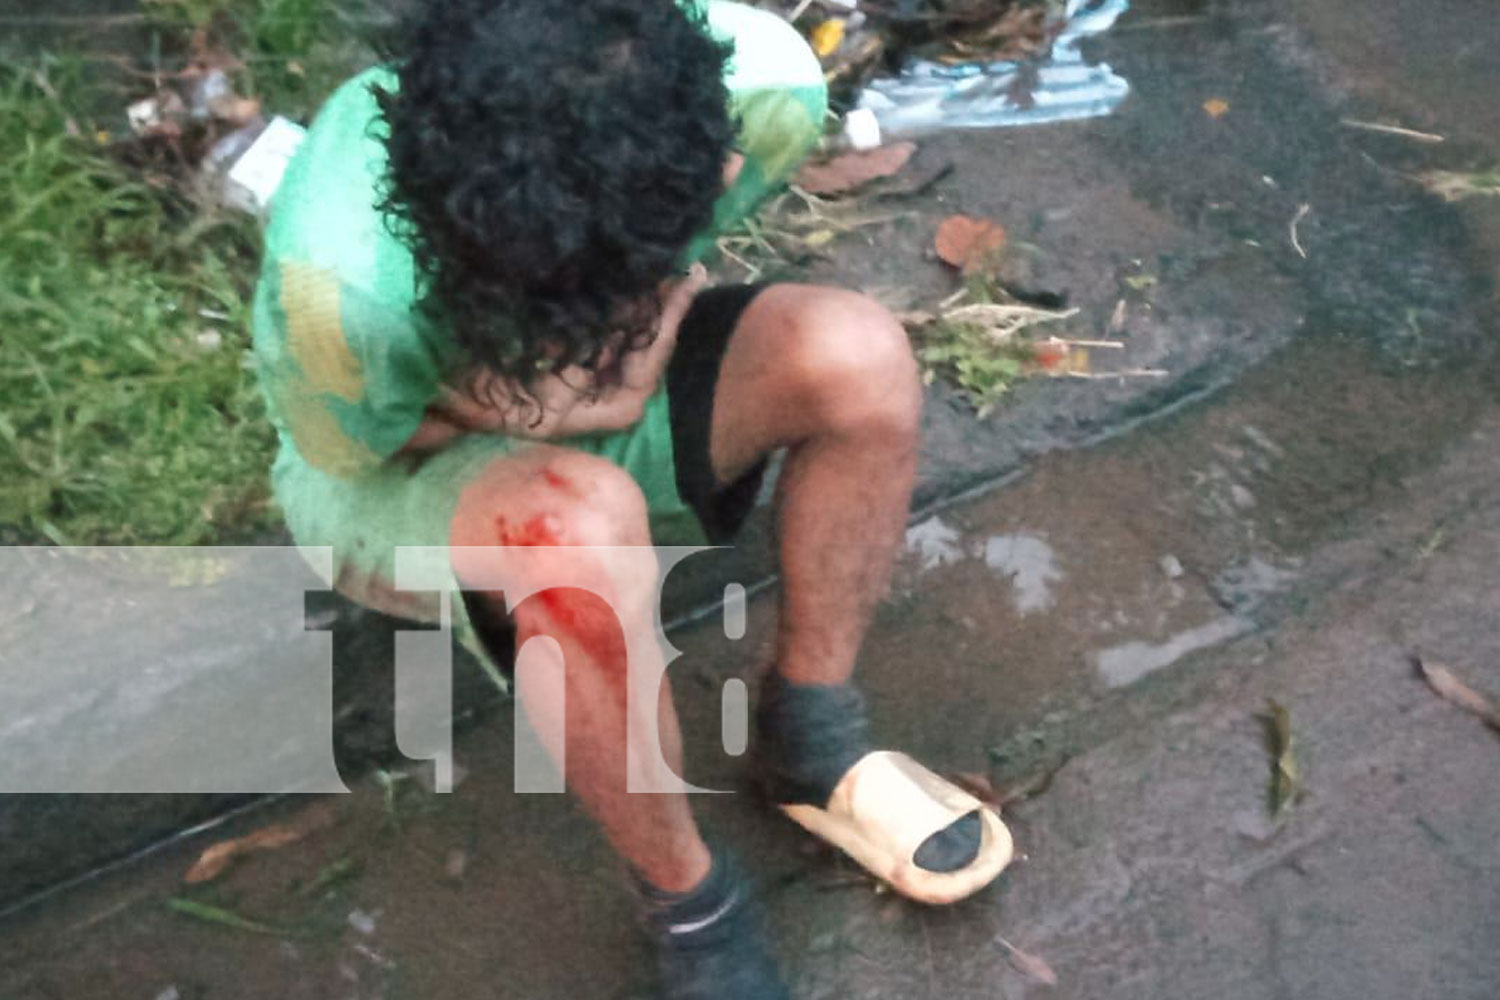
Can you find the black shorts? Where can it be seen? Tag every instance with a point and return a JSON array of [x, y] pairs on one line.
[[692, 379], [692, 384]]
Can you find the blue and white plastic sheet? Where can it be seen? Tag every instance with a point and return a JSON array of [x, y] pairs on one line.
[[929, 95]]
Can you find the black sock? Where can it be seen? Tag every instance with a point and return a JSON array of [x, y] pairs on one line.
[[708, 940], [810, 735], [664, 909]]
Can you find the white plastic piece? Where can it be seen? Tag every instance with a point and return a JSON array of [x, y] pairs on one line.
[[862, 129], [254, 178], [142, 115], [927, 95]]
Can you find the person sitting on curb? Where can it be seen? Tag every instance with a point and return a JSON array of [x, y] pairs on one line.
[[481, 325]]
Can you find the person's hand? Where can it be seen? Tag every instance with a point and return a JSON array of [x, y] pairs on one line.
[[560, 404], [495, 405], [641, 370]]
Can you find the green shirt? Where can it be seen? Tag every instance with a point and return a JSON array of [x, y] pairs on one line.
[[347, 363]]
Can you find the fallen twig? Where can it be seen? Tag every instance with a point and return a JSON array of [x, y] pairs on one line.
[[216, 859], [953, 299], [1029, 965], [1004, 313], [1383, 168], [753, 273], [1114, 345], [1296, 220], [1122, 373], [1002, 321], [1405, 133], [1118, 317], [227, 918]]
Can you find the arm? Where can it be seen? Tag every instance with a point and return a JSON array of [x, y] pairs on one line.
[[565, 410]]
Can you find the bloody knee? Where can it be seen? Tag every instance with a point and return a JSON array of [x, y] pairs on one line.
[[566, 542]]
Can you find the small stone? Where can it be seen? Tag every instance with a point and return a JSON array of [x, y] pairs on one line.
[[209, 340], [170, 993], [1243, 498], [1171, 566], [456, 864], [362, 922], [1254, 825]]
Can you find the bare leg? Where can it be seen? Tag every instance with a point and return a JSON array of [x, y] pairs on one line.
[[829, 375], [551, 496]]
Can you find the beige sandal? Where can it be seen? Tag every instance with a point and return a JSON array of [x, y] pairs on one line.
[[883, 810]]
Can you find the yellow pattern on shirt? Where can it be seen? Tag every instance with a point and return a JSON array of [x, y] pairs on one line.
[[326, 366]]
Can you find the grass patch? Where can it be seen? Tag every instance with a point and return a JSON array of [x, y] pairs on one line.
[[791, 232], [981, 341], [967, 356], [1453, 185], [128, 407], [129, 412]]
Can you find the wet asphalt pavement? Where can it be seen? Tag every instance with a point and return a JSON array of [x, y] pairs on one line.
[[1315, 498]]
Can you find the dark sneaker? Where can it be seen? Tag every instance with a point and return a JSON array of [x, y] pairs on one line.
[[709, 944]]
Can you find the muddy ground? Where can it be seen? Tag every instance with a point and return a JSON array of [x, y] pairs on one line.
[[1314, 499]]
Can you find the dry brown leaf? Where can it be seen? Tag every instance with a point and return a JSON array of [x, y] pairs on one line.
[[969, 244], [1216, 107], [849, 171], [1029, 965], [213, 861], [1446, 683]]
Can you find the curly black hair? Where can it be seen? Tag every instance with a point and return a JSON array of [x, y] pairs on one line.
[[550, 160]]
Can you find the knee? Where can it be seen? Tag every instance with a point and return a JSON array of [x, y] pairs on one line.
[[854, 365], [564, 498], [588, 513]]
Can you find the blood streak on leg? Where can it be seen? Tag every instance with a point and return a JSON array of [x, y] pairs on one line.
[[580, 614], [544, 529], [561, 483], [588, 618]]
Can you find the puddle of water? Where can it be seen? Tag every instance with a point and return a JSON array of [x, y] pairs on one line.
[[935, 543], [1030, 564], [1129, 662]]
